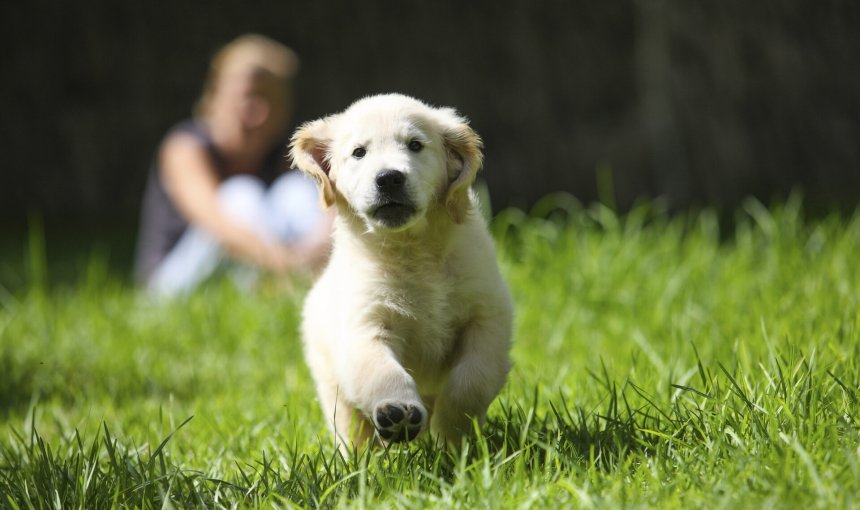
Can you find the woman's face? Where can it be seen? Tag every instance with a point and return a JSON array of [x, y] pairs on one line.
[[250, 101]]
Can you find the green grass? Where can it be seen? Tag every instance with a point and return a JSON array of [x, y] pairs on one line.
[[659, 362]]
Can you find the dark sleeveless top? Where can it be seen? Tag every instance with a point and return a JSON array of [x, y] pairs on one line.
[[161, 224]]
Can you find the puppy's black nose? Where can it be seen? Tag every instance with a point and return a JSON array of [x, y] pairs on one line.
[[390, 180]]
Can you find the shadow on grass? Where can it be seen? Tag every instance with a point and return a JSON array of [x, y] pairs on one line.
[[530, 436], [105, 473]]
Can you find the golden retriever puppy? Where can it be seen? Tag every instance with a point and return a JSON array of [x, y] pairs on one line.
[[409, 326]]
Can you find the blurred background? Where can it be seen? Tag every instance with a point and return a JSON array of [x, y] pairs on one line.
[[702, 103]]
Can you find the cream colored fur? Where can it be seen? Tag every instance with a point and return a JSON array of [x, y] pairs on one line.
[[414, 316]]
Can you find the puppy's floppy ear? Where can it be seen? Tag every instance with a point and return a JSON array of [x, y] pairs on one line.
[[310, 151], [465, 157]]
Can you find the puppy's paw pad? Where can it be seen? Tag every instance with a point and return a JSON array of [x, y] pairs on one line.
[[399, 421]]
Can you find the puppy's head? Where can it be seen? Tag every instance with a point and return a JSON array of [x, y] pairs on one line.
[[391, 159]]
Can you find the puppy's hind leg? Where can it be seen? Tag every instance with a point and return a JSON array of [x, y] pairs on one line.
[[351, 428]]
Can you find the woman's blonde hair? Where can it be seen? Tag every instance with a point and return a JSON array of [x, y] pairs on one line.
[[258, 54]]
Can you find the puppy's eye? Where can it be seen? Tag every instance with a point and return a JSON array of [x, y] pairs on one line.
[[359, 152], [415, 146]]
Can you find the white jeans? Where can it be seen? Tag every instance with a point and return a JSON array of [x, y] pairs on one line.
[[286, 212]]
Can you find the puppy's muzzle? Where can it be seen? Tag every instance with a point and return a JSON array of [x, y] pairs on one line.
[[393, 207]]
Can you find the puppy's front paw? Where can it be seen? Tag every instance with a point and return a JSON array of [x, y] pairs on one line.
[[399, 421]]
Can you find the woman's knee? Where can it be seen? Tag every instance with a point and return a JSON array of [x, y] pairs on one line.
[[241, 196], [294, 206]]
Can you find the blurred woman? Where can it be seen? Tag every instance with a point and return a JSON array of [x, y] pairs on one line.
[[217, 190]]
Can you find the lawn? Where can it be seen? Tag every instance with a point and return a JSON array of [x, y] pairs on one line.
[[659, 361]]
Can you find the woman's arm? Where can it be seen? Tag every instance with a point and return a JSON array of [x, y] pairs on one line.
[[313, 251], [192, 184]]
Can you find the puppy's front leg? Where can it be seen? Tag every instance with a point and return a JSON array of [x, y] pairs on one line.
[[475, 379], [375, 382]]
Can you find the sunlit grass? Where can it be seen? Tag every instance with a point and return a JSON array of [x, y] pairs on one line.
[[660, 361]]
